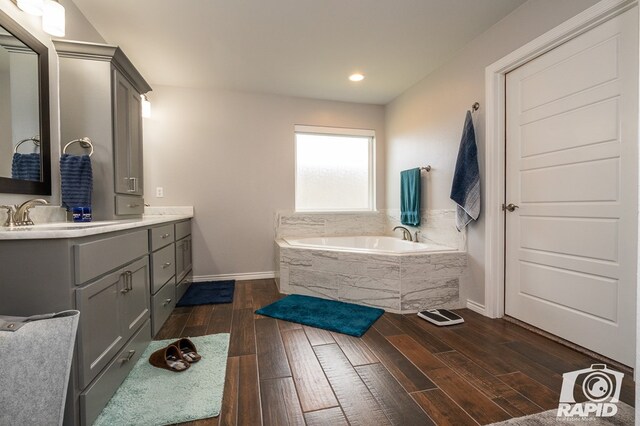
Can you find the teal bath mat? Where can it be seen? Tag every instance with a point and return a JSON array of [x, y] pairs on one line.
[[153, 396], [345, 318]]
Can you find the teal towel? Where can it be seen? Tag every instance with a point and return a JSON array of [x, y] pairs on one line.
[[410, 197]]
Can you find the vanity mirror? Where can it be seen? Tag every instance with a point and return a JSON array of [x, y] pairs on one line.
[[25, 156]]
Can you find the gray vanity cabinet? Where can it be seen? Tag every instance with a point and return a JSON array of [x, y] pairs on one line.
[[100, 98]]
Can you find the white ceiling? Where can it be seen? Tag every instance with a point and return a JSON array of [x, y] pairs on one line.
[[301, 48]]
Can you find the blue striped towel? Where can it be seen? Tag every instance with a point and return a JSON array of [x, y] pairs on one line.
[[465, 190], [76, 180], [26, 166]]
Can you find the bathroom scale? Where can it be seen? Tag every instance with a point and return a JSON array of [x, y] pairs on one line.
[[441, 317]]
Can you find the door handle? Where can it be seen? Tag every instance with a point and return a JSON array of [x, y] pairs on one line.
[[166, 265], [125, 279], [510, 207], [166, 302]]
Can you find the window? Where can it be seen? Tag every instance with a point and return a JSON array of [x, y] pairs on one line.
[[335, 169]]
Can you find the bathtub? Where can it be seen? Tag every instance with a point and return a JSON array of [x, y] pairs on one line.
[[380, 271], [367, 244]]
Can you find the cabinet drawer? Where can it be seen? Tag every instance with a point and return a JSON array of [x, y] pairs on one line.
[[164, 267], [129, 205], [161, 236], [183, 286], [96, 397], [183, 229], [163, 303], [94, 258]]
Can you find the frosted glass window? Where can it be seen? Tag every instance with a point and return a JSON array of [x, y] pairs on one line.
[[334, 172]]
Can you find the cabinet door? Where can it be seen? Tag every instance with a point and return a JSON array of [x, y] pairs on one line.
[[183, 258], [121, 133], [100, 333], [135, 141], [134, 302]]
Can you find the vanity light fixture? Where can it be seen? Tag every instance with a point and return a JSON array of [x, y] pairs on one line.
[[32, 7], [146, 106], [356, 77], [53, 20]]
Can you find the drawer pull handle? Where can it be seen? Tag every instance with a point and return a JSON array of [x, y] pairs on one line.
[[130, 355], [133, 206], [166, 236], [166, 265], [166, 302]]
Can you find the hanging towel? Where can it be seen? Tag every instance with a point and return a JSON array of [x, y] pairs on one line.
[[465, 190], [26, 166], [76, 180], [410, 197]]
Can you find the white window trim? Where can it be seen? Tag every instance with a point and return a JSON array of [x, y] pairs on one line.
[[339, 131]]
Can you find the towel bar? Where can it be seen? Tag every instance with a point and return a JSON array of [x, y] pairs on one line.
[[35, 140], [84, 142], [426, 169]]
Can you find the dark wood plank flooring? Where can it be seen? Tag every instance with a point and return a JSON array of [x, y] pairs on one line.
[[403, 371]]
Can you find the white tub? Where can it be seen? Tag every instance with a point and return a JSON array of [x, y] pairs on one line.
[[385, 272], [370, 244]]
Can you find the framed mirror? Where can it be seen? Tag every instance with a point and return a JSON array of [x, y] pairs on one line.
[[25, 143]]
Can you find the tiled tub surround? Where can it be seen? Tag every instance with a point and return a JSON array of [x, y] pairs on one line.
[[438, 226], [399, 283], [291, 224]]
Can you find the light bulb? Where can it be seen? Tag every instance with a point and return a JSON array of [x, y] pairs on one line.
[[53, 20], [356, 77], [32, 7]]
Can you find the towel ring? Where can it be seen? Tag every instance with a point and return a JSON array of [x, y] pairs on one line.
[[35, 140], [84, 142]]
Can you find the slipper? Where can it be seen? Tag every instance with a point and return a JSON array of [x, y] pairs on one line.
[[169, 358], [188, 350]]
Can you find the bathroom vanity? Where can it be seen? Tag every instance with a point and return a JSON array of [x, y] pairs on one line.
[[123, 276]]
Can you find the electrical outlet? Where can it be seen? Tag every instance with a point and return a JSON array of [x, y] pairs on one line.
[[159, 192]]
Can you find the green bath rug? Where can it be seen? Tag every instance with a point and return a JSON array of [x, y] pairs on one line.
[[153, 396]]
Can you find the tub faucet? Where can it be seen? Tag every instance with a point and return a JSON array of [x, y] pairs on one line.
[[21, 215], [406, 234]]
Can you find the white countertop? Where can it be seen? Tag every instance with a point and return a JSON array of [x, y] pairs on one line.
[[77, 230]]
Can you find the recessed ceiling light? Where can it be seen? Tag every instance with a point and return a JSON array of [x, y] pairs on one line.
[[356, 77]]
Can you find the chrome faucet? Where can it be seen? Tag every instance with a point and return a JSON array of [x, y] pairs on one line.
[[406, 234], [21, 212]]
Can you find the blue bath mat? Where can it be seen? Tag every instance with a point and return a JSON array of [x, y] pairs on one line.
[[208, 292], [345, 318]]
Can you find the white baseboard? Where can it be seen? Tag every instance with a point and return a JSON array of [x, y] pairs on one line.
[[476, 307], [237, 277]]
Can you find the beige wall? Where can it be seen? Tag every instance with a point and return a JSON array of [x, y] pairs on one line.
[[231, 155], [424, 124]]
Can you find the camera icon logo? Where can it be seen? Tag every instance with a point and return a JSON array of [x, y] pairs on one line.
[[598, 384]]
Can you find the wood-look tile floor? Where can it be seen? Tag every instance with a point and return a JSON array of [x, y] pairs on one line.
[[403, 371]]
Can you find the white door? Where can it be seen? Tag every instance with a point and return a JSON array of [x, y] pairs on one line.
[[572, 170]]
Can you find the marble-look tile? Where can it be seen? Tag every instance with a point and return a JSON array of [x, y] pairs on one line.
[[313, 283], [436, 226], [382, 293], [355, 224], [420, 294], [435, 265], [357, 264], [283, 279]]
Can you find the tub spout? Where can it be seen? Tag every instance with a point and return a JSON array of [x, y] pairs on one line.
[[406, 234]]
